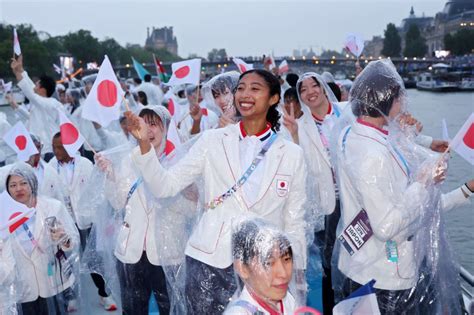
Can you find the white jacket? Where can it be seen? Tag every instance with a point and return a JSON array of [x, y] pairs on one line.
[[32, 280], [44, 118], [373, 178], [80, 179], [148, 225], [318, 161], [215, 157], [246, 305]]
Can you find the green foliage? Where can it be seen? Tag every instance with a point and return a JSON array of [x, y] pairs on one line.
[[415, 44], [460, 43], [329, 53], [217, 55], [40, 52], [392, 43]]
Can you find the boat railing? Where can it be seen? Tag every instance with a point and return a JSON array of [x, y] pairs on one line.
[[467, 287]]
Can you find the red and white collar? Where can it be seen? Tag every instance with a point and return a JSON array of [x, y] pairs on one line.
[[329, 112], [365, 123], [262, 135], [265, 305]]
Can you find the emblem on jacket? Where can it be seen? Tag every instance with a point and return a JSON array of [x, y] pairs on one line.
[[282, 187]]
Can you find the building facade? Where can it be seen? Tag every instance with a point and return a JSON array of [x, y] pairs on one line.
[[162, 38]]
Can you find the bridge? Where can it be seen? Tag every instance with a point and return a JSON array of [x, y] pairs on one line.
[[344, 66]]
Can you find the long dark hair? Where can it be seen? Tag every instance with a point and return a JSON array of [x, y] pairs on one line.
[[273, 116]]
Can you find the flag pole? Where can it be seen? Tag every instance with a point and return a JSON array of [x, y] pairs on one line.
[[87, 142]]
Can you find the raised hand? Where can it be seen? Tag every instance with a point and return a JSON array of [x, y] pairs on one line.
[[289, 121]]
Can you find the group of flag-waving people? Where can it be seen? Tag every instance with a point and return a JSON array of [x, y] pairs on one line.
[[224, 223]]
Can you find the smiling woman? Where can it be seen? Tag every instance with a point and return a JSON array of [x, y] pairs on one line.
[[248, 170]]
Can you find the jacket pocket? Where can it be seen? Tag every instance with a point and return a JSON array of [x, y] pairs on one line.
[[122, 239], [206, 236]]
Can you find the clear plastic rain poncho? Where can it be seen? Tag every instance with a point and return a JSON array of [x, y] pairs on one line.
[[218, 94], [124, 211], [263, 261], [392, 225], [323, 215], [44, 249], [319, 163]]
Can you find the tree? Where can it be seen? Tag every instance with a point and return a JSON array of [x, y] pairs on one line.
[[330, 53], [460, 43], [415, 44], [392, 42], [217, 55], [83, 46]]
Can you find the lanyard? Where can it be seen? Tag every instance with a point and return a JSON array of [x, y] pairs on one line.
[[132, 190], [30, 235], [402, 159], [218, 200]]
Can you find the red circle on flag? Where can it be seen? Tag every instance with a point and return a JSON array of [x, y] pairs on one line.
[[182, 72], [20, 142], [242, 68], [171, 106], [468, 138], [107, 93], [69, 133], [169, 147], [17, 224]]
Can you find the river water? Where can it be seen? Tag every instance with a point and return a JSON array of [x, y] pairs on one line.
[[430, 108]]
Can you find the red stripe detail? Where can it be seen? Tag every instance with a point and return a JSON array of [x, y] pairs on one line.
[[363, 122], [328, 113], [265, 305], [261, 133]]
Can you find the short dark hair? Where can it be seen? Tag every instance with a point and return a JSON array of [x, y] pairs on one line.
[[143, 95], [47, 83], [147, 77], [273, 116], [335, 89], [291, 93], [292, 78], [375, 89], [137, 80]]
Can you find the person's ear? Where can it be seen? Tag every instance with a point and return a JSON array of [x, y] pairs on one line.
[[274, 99], [242, 270]]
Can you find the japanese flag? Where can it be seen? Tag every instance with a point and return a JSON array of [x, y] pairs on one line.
[[283, 68], [102, 105], [173, 140], [12, 213], [19, 139], [186, 72], [354, 43], [269, 62], [463, 141], [16, 43], [242, 65], [71, 138]]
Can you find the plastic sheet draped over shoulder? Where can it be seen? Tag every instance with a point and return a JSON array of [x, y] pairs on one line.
[[392, 225]]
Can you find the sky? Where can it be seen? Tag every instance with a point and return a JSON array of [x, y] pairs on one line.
[[243, 28]]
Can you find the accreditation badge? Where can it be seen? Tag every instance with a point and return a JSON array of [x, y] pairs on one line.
[[357, 233]]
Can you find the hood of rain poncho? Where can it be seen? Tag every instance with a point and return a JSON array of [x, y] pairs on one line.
[[255, 238], [165, 118], [217, 85], [375, 89], [25, 171], [327, 90]]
